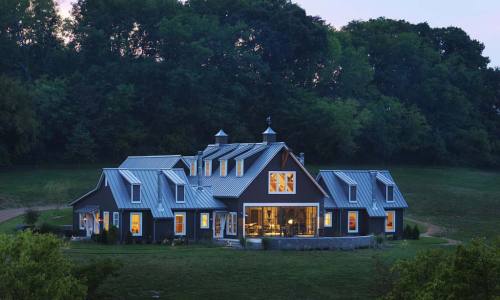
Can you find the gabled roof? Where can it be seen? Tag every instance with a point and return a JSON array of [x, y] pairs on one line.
[[153, 161], [128, 176], [171, 174], [343, 176], [335, 187], [256, 149], [384, 179], [241, 149], [221, 151]]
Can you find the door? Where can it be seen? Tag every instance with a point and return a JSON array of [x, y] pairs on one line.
[[89, 224], [219, 224]]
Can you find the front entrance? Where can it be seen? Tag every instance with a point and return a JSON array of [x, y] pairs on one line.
[[89, 224], [277, 220], [219, 224]]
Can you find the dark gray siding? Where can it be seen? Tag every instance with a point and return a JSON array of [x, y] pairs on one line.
[[147, 225]]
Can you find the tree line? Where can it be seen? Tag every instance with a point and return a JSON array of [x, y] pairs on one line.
[[128, 77]]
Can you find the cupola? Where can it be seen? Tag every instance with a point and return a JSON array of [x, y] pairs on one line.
[[269, 135], [221, 137]]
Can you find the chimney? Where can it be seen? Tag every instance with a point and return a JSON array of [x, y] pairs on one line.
[[302, 158], [160, 206], [269, 136], [200, 169], [373, 175], [221, 137]]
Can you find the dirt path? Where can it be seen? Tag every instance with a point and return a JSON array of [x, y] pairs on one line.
[[435, 231], [7, 214]]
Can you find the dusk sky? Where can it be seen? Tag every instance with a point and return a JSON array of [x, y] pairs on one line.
[[480, 19]]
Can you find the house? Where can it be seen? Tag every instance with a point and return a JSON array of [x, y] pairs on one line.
[[234, 190]]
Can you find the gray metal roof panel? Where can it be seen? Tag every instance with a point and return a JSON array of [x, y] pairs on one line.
[[154, 161], [343, 176], [384, 179], [222, 151], [128, 176], [173, 177], [241, 148], [258, 148]]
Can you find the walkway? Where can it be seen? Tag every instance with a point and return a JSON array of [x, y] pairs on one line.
[[435, 231], [7, 214]]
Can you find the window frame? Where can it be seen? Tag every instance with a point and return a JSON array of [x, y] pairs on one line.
[[140, 223], [393, 221], [201, 221], [105, 220], [242, 169], [194, 164], [177, 194], [350, 194], [387, 193], [223, 162], [132, 193], [81, 221], [183, 214], [208, 163], [116, 216], [357, 221], [331, 219], [286, 183], [233, 218]]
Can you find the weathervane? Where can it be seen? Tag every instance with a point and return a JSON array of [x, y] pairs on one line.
[[268, 120]]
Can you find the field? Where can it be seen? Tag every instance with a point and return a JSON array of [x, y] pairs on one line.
[[54, 217]]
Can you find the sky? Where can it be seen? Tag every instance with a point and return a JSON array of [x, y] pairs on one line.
[[480, 19]]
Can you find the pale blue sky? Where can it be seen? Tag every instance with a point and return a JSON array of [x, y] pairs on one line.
[[480, 19]]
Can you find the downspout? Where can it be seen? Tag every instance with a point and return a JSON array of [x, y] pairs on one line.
[[200, 169], [121, 224]]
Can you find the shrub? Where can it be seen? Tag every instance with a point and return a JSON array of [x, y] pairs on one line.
[[243, 242], [32, 266], [266, 243], [380, 239], [415, 233], [112, 236], [31, 216], [407, 232], [129, 238], [94, 273], [48, 228]]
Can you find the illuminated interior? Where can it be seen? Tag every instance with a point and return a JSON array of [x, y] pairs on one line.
[[204, 219], [328, 219], [193, 168], [353, 221], [281, 182], [389, 223], [223, 168], [239, 168], [281, 221], [179, 224], [135, 226]]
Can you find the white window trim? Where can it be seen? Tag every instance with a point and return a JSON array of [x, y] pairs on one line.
[[140, 223], [81, 223], [116, 216], [393, 221], [183, 214], [132, 193], [233, 216], [387, 194], [355, 200], [242, 168], [286, 183], [209, 163], [331, 219], [195, 163], [223, 162], [208, 220], [105, 181], [105, 215], [177, 194], [357, 221]]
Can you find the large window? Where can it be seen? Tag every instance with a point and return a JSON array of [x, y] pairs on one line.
[[352, 221], [281, 182], [116, 219], [81, 221], [180, 223], [328, 219], [239, 167], [284, 221], [192, 168], [231, 227], [97, 227], [204, 220], [106, 220], [390, 219], [208, 168], [223, 168], [136, 223]]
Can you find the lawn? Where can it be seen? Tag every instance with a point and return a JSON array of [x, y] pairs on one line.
[[54, 217], [201, 272]]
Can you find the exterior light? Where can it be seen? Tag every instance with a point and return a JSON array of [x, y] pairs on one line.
[[290, 221]]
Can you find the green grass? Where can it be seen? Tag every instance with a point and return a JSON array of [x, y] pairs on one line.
[[54, 217], [25, 186], [200, 272]]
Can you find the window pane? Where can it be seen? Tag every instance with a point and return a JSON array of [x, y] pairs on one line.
[[106, 220], [353, 226], [328, 219], [281, 182], [135, 227], [390, 193], [179, 223], [193, 168], [390, 221], [239, 168], [353, 193], [204, 221], [207, 168], [290, 182], [272, 182], [223, 168]]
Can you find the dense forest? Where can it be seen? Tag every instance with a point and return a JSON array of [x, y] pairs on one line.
[[124, 77]]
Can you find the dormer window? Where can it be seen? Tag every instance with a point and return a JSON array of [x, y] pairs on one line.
[[223, 168], [352, 193], [193, 167], [387, 186], [208, 168], [240, 165], [135, 193], [389, 193], [179, 193]]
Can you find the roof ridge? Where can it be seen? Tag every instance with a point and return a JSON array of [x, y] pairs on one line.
[[161, 155]]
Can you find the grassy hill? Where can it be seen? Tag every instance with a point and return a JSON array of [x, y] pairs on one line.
[[466, 202]]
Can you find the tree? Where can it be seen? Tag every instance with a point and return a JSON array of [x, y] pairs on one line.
[[32, 266], [31, 216]]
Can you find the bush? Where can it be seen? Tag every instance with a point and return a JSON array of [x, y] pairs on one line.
[[380, 239], [266, 243], [407, 232], [112, 235], [48, 228], [243, 242], [95, 272], [32, 266], [415, 233], [31, 216]]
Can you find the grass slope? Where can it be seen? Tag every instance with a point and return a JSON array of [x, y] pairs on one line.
[[200, 272], [54, 217]]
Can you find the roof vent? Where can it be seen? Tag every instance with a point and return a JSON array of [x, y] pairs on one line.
[[269, 135], [221, 137]]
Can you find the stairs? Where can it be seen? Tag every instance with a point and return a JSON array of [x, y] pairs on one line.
[[229, 243]]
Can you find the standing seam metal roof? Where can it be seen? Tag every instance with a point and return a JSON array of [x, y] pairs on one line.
[[153, 161]]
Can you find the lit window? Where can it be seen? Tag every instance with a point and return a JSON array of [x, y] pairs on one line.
[[223, 168], [116, 219], [389, 193], [352, 221], [192, 169], [390, 218], [231, 223], [81, 221], [136, 223], [180, 223], [97, 228], [281, 182], [106, 220], [239, 167], [328, 219], [208, 168], [204, 220]]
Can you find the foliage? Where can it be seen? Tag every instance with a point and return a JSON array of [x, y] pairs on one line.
[[95, 272], [470, 272], [415, 232], [410, 233], [131, 73], [31, 216], [32, 266], [112, 235], [46, 227], [266, 243]]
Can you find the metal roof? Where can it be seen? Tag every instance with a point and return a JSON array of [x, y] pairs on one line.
[[221, 133], [241, 149], [343, 176], [384, 179], [269, 130], [221, 151], [364, 197], [258, 148], [154, 161], [173, 177], [128, 176]]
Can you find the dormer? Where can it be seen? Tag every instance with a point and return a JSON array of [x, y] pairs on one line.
[[133, 185], [177, 185], [223, 167], [240, 167], [387, 187], [245, 160], [193, 167], [350, 186]]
